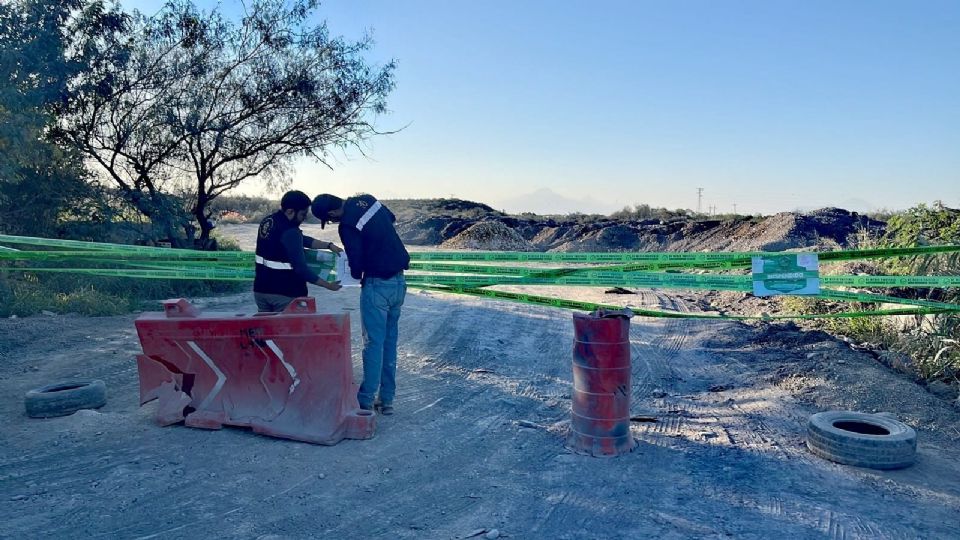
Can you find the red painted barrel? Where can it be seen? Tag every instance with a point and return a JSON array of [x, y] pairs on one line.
[[600, 415]]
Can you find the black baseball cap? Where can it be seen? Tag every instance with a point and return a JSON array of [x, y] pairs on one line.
[[322, 205]]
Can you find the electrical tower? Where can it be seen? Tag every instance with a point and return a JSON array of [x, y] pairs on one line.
[[699, 198]]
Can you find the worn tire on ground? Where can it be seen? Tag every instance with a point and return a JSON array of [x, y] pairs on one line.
[[65, 398], [862, 440]]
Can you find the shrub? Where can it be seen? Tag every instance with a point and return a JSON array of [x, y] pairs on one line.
[[931, 341], [27, 293]]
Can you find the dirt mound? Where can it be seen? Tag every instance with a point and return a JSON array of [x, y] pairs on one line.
[[431, 231], [828, 228], [437, 222], [489, 235]]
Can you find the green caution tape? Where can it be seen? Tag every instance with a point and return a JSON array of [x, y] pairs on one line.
[[451, 275], [679, 258], [590, 306], [888, 282], [164, 254], [596, 279]]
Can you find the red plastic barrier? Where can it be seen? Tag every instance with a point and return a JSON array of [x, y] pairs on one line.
[[600, 414], [285, 374]]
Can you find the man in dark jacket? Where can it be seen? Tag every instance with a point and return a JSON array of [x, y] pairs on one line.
[[377, 258], [282, 273]]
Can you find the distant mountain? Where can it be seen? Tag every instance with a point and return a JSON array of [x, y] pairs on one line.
[[545, 201]]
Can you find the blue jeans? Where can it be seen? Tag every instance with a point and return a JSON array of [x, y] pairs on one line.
[[380, 302]]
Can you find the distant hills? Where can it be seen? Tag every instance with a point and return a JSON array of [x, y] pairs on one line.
[[545, 201]]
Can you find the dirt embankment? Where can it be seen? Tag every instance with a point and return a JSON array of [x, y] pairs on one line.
[[459, 226]]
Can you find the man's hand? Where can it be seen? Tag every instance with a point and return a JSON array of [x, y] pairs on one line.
[[335, 248], [329, 285]]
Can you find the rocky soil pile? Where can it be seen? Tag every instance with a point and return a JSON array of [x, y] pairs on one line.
[[439, 224], [489, 235]]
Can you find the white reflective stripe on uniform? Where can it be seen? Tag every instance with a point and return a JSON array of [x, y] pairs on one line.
[[273, 264], [368, 215]]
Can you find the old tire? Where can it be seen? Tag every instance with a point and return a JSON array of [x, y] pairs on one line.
[[65, 398], [862, 440]]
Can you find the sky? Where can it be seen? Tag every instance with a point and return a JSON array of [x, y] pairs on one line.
[[555, 106]]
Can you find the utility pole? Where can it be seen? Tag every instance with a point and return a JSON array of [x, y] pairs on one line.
[[734, 208], [699, 198]]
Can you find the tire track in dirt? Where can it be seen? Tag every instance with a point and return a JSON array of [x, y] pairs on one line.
[[455, 458], [443, 364], [654, 346]]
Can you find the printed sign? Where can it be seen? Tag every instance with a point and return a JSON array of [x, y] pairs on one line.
[[796, 273]]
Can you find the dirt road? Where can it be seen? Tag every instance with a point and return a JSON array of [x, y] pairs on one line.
[[478, 440]]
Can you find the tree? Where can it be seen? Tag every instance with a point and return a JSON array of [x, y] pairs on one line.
[[204, 103], [45, 46]]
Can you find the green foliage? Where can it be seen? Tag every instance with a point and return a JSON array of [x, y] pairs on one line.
[[859, 329], [803, 305], [45, 46], [210, 101], [24, 293], [243, 209], [862, 329], [226, 243], [6, 293], [930, 341], [935, 348], [924, 225], [641, 212]]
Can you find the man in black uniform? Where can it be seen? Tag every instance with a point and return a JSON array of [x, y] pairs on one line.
[[377, 258], [282, 273]]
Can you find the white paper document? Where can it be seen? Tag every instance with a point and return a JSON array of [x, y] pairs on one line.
[[343, 272]]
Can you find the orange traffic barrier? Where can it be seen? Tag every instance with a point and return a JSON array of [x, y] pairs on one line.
[[283, 374]]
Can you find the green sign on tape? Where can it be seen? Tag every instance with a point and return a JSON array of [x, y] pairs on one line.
[[797, 273]]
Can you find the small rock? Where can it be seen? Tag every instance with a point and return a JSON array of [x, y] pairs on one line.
[[493, 533], [321, 476], [718, 388], [841, 362], [13, 316], [18, 498], [812, 355], [386, 470], [48, 313], [659, 394], [707, 434]]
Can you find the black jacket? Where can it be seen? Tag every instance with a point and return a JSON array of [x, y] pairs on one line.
[[372, 244], [280, 265]]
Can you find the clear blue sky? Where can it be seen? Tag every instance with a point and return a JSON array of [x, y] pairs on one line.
[[769, 105]]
